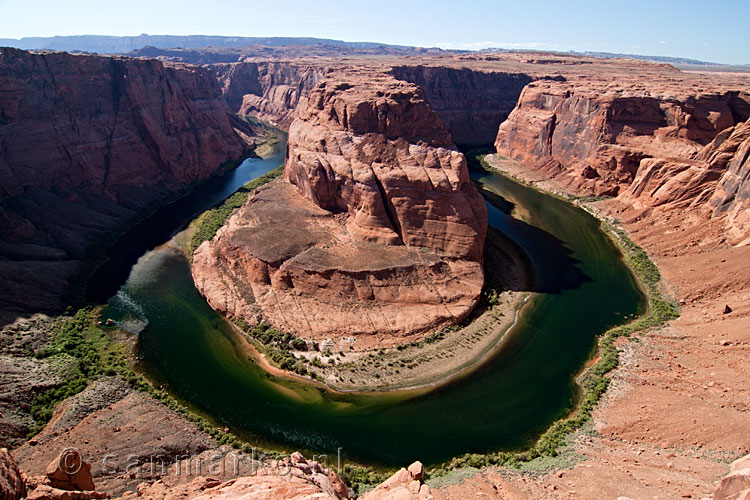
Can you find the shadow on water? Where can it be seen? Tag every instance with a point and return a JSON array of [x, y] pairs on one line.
[[159, 227], [555, 267]]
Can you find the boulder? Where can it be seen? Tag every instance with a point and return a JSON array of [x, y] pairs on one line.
[[406, 484], [70, 472]]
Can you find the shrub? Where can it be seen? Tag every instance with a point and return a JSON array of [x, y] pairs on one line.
[[211, 221]]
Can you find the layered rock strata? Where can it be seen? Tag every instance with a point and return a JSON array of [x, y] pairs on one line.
[[651, 147], [376, 228], [88, 143], [593, 137], [471, 104], [267, 89]]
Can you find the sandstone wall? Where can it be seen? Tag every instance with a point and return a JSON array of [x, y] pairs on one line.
[[655, 147], [732, 194], [470, 103], [384, 157], [86, 144], [268, 90], [594, 137]]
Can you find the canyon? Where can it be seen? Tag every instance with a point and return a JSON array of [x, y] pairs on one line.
[[87, 146], [661, 152]]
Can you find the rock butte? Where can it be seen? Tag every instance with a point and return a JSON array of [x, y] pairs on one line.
[[376, 228]]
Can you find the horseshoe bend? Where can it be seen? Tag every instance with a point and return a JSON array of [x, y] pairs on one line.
[[375, 228], [237, 267]]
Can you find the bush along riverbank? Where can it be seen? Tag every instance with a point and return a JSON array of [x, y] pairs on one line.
[[209, 222], [594, 380], [90, 350]]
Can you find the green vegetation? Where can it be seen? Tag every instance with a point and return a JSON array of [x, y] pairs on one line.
[[83, 353], [209, 222], [277, 346], [361, 479], [87, 352]]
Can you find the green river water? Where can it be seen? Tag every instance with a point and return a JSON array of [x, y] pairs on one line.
[[583, 287]]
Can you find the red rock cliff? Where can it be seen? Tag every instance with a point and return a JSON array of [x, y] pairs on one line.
[[732, 195], [375, 231], [471, 104], [267, 89], [593, 137], [384, 157], [657, 143], [88, 142]]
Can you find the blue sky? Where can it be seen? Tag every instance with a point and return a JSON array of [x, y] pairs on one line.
[[716, 31]]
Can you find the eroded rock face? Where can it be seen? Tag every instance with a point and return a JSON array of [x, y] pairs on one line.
[[379, 153], [12, 486], [716, 178], [86, 144], [732, 195], [736, 484], [471, 104], [375, 230], [593, 138], [267, 89], [657, 148]]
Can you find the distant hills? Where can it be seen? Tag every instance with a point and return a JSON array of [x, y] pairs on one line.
[[104, 44]]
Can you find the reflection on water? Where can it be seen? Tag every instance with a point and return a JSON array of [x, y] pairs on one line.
[[504, 404]]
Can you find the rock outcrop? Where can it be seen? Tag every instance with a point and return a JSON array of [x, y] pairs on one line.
[[471, 104], [406, 484], [736, 484], [87, 144], [67, 477], [376, 228], [269, 90], [12, 486]]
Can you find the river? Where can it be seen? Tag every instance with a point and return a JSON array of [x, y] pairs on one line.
[[583, 287]]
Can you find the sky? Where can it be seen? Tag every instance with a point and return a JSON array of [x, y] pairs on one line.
[[717, 31]]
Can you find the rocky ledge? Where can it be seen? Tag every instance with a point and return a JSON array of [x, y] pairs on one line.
[[375, 230]]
